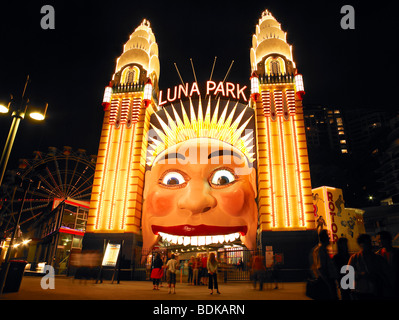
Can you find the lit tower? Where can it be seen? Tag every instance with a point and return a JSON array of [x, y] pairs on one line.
[[284, 186], [116, 201]]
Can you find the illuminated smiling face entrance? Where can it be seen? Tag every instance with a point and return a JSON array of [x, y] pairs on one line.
[[198, 192]]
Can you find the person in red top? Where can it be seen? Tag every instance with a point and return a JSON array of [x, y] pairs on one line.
[[371, 272], [258, 270], [204, 262]]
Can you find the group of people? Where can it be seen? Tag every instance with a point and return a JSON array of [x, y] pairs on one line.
[[201, 270], [198, 270], [375, 273]]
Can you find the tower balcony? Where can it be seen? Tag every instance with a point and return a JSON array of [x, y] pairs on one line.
[[128, 87], [276, 78]]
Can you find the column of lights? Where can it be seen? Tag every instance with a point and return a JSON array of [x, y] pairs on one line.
[[266, 102], [290, 96], [115, 179], [279, 111], [125, 109], [133, 106], [137, 102], [288, 177], [110, 178], [123, 216], [283, 163], [99, 215], [271, 176], [298, 172]]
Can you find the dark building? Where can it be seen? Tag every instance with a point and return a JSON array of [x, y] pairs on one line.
[[325, 129], [388, 171]]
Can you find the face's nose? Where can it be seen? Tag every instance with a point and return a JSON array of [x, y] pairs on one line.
[[197, 197]]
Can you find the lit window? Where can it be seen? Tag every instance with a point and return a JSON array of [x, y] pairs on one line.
[[130, 76], [339, 121], [341, 132], [344, 151], [336, 111], [275, 67], [342, 141]]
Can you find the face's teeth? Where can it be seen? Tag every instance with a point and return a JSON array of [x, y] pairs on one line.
[[200, 240], [186, 241]]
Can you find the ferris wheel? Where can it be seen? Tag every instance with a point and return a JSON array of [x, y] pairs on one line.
[[54, 175]]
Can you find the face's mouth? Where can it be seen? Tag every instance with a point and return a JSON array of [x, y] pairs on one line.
[[199, 235]]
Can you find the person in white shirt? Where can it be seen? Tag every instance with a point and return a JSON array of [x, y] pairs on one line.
[[172, 267]]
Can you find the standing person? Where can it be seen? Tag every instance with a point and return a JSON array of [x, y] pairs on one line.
[[204, 262], [323, 268], [172, 267], [258, 270], [240, 264], [371, 272], [196, 266], [341, 258], [157, 271], [190, 270], [212, 267], [391, 255]]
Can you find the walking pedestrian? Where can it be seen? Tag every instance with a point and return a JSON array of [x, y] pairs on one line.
[[212, 267], [391, 255], [172, 267], [258, 270], [323, 269], [157, 271], [371, 272], [341, 258]]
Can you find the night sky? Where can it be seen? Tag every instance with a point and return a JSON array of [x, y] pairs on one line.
[[70, 66]]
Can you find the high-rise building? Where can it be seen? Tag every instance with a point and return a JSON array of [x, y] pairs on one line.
[[326, 129]]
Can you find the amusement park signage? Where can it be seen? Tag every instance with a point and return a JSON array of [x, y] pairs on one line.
[[225, 89]]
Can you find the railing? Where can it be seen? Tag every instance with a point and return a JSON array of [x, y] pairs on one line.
[[276, 78], [128, 87]]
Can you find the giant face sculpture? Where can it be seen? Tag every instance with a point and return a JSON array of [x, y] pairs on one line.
[[200, 188], [200, 191]]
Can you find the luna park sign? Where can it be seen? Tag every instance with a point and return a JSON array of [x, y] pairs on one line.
[[225, 89]]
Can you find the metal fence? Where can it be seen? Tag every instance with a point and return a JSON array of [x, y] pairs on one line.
[[234, 264]]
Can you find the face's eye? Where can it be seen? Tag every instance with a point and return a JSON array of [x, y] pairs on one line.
[[222, 177], [173, 179]]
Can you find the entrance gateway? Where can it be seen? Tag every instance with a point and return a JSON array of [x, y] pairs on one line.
[[204, 170]]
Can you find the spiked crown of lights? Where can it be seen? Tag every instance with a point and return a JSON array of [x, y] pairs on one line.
[[224, 127]]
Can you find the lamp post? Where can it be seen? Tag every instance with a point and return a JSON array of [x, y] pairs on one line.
[[17, 115]]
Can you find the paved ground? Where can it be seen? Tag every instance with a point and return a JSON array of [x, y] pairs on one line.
[[69, 289]]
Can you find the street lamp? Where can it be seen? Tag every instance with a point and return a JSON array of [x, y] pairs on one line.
[[17, 115]]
